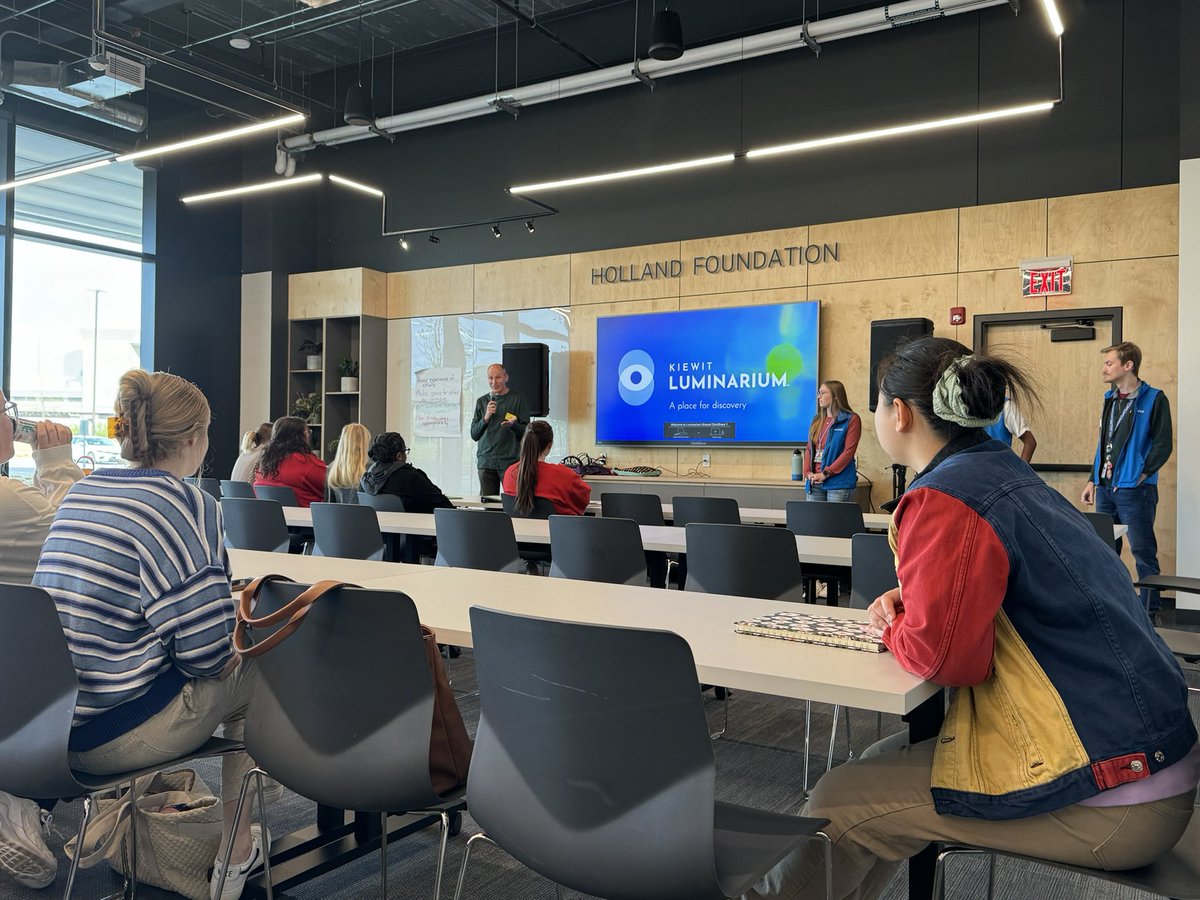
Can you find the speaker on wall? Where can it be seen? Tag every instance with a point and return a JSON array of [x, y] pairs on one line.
[[528, 367], [886, 335]]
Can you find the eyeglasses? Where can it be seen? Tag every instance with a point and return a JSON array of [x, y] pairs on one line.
[[10, 410]]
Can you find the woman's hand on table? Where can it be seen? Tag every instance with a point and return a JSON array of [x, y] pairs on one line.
[[883, 611]]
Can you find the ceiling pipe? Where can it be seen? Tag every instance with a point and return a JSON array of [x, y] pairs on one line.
[[536, 26], [883, 18]]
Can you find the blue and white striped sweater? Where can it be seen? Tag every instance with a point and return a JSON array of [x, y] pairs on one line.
[[136, 564]]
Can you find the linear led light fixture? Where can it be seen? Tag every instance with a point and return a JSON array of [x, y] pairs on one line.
[[1056, 22], [274, 184], [56, 173], [621, 175], [355, 185], [896, 130]]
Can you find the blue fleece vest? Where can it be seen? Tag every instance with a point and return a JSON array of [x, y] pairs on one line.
[[835, 443], [997, 431], [1127, 467]]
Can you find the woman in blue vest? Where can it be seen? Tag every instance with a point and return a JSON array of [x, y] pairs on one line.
[[830, 472]]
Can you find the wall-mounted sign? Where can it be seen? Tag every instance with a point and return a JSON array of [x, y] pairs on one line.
[[1046, 276], [715, 264]]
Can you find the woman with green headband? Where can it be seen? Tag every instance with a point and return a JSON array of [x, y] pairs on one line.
[[1067, 735]]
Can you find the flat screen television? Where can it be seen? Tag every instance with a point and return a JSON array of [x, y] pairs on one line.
[[735, 376]]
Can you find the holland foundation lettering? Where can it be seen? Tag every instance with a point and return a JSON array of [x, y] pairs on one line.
[[753, 260]]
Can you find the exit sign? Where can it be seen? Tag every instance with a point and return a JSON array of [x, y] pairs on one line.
[[1046, 277]]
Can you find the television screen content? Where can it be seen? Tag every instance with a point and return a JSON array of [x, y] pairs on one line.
[[740, 375]]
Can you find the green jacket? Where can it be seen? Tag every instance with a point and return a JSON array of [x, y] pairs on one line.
[[499, 445]]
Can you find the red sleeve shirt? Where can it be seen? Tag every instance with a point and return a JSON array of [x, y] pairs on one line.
[[853, 433], [953, 573], [567, 491], [304, 474]]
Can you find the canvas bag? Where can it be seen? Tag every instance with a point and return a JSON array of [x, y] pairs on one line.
[[449, 745], [175, 848]]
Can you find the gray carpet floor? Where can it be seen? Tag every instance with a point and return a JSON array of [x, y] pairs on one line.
[[759, 763]]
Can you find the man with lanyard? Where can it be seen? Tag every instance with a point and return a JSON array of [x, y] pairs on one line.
[[1135, 441]]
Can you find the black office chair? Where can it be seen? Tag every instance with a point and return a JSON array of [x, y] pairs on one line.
[[346, 530], [399, 547], [711, 510], [1105, 528], [836, 520], [542, 508], [381, 502], [243, 490], [476, 539], [210, 486], [342, 710], [591, 740], [1184, 644], [744, 561], [255, 525], [282, 495], [645, 509], [35, 721], [591, 548]]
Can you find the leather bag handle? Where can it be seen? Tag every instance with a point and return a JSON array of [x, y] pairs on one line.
[[291, 614]]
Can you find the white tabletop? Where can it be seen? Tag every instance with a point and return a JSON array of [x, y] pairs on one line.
[[251, 563], [820, 551]]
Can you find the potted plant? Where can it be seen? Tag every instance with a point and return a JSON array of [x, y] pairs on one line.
[[333, 445], [348, 370], [308, 408], [312, 352]]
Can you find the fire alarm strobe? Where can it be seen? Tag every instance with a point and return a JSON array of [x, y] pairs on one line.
[[958, 315]]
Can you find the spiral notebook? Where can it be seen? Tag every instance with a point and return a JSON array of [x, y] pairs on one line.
[[812, 629]]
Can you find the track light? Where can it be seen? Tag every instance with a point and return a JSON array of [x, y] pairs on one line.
[[272, 185], [403, 242], [624, 173], [496, 230], [434, 239], [529, 226], [666, 38], [1056, 23]]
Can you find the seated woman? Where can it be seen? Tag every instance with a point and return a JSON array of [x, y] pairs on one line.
[[136, 564], [391, 473], [349, 463], [1068, 737], [252, 445], [531, 476], [288, 461]]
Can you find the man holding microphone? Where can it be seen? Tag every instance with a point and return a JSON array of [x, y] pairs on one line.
[[497, 426]]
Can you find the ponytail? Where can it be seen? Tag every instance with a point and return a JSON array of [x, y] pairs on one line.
[[538, 436]]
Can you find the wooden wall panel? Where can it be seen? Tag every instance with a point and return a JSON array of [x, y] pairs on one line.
[[1001, 235], [888, 247], [431, 292], [374, 293], [1115, 224], [582, 264], [315, 295], [523, 284], [726, 249]]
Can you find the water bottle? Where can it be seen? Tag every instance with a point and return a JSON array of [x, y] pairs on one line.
[[797, 465]]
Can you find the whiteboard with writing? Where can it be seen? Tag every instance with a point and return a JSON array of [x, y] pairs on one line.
[[437, 398]]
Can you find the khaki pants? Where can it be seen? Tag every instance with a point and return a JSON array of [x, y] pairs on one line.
[[182, 726], [881, 813]]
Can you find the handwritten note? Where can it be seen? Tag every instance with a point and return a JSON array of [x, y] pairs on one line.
[[437, 403]]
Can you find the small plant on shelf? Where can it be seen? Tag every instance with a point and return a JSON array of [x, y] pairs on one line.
[[333, 445], [312, 354], [348, 370], [308, 408]]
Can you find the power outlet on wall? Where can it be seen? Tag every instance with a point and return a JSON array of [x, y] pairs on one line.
[[705, 460]]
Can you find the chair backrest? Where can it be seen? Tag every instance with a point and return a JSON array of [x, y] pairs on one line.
[[872, 568], [347, 530], [744, 561], [255, 525], [342, 709], [381, 502], [241, 489], [1103, 523], [542, 508], [281, 494], [714, 510], [645, 509], [35, 720], [838, 520], [590, 739], [210, 486], [591, 548], [476, 539]]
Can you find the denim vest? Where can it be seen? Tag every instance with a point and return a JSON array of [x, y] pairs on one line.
[[1083, 694], [835, 443], [1127, 467]]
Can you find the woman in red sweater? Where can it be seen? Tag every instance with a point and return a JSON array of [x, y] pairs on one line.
[[288, 461], [531, 476]]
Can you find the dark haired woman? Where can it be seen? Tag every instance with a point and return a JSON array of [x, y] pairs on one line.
[[531, 476], [288, 461], [830, 472], [390, 472], [1068, 737]]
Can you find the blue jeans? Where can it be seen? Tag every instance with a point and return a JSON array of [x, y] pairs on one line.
[[1135, 507], [838, 495]]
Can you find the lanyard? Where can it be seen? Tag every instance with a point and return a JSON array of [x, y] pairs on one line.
[[1114, 422]]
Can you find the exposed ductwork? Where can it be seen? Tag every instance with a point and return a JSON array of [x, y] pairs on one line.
[[810, 34], [89, 89]]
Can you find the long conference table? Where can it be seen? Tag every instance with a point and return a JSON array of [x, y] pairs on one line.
[[444, 596]]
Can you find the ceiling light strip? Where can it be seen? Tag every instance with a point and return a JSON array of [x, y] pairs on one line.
[[623, 174], [365, 188], [1056, 22], [273, 185], [56, 173], [897, 130], [216, 137]]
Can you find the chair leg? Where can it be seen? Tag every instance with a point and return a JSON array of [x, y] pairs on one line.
[[83, 824], [237, 820], [939, 871], [383, 826], [828, 847], [441, 863], [832, 737], [462, 872], [262, 818], [991, 876], [807, 743], [849, 740], [724, 727]]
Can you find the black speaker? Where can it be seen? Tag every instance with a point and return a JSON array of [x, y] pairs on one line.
[[528, 367], [886, 335]]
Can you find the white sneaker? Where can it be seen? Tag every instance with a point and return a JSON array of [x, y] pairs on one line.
[[235, 881], [23, 851]]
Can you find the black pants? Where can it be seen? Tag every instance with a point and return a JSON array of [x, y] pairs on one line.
[[489, 481]]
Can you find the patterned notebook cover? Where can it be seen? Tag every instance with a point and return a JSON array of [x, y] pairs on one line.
[[811, 629]]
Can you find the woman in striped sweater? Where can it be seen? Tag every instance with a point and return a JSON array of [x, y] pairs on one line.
[[136, 564]]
